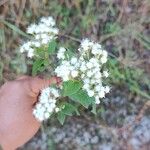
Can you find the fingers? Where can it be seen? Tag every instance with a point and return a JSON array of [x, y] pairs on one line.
[[37, 84]]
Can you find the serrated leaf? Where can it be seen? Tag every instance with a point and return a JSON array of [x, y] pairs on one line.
[[69, 109], [61, 117], [71, 87], [37, 65], [52, 47], [82, 97]]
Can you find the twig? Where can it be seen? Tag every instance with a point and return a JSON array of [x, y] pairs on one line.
[[137, 118], [3, 2], [124, 4], [22, 7], [70, 37]]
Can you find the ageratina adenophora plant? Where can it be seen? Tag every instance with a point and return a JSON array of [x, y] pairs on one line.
[[83, 74]]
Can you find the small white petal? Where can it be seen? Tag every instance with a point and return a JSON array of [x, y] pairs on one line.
[[74, 73], [57, 109], [91, 93], [98, 88], [101, 94], [74, 60], [47, 115], [107, 89], [89, 65], [89, 74], [86, 86], [86, 81], [97, 100], [103, 59], [105, 74]]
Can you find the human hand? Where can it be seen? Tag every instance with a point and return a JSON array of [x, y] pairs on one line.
[[17, 98]]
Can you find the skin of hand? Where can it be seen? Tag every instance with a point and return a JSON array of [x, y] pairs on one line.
[[17, 99]]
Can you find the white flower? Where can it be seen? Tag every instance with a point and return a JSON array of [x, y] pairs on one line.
[[103, 59], [45, 41], [87, 80], [96, 49], [107, 89], [94, 61], [89, 73], [85, 43], [54, 31], [60, 56], [90, 93], [105, 73], [92, 81], [49, 21], [36, 44], [22, 49], [97, 75], [42, 33], [43, 36], [65, 78], [55, 92], [47, 104], [26, 46], [82, 75], [47, 115], [57, 109], [37, 36], [62, 49], [74, 60], [89, 65], [101, 94], [97, 100], [86, 86], [61, 53], [98, 88], [31, 29], [30, 52], [74, 73], [83, 68], [104, 53]]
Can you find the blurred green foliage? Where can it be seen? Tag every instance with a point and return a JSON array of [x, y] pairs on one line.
[[121, 28]]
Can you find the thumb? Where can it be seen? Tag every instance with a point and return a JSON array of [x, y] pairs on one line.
[[37, 84]]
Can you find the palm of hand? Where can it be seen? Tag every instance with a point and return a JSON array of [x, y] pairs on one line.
[[17, 99]]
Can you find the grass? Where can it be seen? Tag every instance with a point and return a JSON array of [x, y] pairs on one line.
[[122, 28]]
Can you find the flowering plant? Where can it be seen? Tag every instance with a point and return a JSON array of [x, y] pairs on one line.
[[83, 74]]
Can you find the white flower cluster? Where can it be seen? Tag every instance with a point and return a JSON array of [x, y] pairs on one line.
[[87, 67], [47, 104], [42, 33], [68, 68]]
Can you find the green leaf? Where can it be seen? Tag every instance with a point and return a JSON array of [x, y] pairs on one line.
[[69, 109], [94, 108], [37, 66], [15, 28], [61, 117], [82, 97], [71, 87], [70, 53], [52, 47]]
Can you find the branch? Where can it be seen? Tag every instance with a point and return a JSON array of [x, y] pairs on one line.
[[3, 2]]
